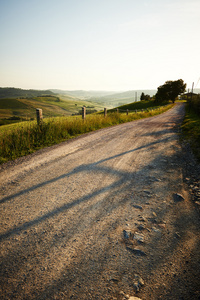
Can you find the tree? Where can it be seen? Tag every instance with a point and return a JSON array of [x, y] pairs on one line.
[[145, 97], [142, 97], [170, 90]]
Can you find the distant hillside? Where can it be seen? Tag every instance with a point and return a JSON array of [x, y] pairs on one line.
[[22, 108], [83, 94], [129, 94], [25, 109], [122, 98], [15, 93]]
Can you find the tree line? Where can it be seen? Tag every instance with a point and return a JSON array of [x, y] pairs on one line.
[[169, 91]]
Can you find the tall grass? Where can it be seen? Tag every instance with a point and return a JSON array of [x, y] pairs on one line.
[[191, 129], [145, 104], [24, 138], [194, 103]]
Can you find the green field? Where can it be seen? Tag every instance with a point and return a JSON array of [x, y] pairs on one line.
[[16, 109], [20, 105]]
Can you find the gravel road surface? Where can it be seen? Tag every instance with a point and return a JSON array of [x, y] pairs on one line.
[[104, 216]]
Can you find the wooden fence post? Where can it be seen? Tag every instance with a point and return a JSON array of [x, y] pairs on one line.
[[39, 115], [83, 112], [105, 112], [127, 112]]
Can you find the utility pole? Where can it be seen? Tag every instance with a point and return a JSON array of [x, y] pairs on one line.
[[192, 90], [190, 98], [192, 87]]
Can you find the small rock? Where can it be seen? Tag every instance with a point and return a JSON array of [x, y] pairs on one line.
[[126, 296], [147, 192], [162, 225], [114, 279], [139, 252], [127, 234], [156, 230], [137, 206], [141, 227], [178, 197], [138, 237], [137, 282], [197, 202], [154, 179], [141, 219], [177, 235], [122, 293]]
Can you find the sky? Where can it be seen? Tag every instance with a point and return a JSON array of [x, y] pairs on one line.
[[114, 45]]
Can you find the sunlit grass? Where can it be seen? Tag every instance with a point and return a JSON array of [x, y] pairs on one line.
[[191, 130], [24, 138]]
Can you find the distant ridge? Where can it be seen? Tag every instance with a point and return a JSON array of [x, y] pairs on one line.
[[97, 96], [11, 92], [83, 94], [105, 95], [129, 94]]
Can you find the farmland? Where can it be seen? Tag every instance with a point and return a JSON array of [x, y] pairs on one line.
[[21, 109]]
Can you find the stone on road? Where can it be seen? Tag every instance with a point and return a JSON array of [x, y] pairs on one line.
[[96, 215]]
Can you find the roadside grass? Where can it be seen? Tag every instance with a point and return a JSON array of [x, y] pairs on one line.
[[52, 106], [140, 105], [191, 130], [23, 138]]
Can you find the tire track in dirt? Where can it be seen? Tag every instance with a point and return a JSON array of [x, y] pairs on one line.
[[81, 220]]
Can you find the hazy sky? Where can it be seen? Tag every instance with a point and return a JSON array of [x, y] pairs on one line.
[[99, 44]]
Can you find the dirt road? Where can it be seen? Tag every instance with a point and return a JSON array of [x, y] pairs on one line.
[[103, 216]]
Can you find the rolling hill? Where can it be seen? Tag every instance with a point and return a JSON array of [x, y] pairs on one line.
[[17, 109], [15, 93]]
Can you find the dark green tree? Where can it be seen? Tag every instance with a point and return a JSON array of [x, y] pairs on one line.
[[170, 90], [144, 97]]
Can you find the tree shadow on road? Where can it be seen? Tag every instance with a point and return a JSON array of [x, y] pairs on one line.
[[43, 263]]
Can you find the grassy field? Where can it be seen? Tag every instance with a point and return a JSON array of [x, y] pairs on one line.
[[26, 137], [139, 105], [15, 110], [191, 130], [22, 108]]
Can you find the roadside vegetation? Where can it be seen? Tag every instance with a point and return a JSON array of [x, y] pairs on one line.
[[26, 137], [191, 124], [144, 104], [21, 109]]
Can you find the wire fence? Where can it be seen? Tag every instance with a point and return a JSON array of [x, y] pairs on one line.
[[39, 114]]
